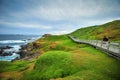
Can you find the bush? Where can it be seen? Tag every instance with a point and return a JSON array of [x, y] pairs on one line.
[[52, 64]]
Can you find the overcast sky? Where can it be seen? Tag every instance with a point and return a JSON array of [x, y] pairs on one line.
[[54, 16]]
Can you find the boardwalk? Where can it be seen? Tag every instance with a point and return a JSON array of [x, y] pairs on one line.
[[112, 48]]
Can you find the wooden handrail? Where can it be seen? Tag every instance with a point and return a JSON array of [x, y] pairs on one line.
[[109, 47]]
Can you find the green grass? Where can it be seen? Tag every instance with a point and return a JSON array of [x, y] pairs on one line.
[[53, 64], [111, 30], [62, 59], [95, 66], [65, 60], [71, 61], [56, 43], [14, 66], [90, 64]]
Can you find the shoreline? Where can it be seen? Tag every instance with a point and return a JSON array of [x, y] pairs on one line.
[[11, 50], [24, 52], [9, 53]]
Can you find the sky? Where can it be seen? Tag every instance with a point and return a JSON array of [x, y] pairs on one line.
[[54, 16]]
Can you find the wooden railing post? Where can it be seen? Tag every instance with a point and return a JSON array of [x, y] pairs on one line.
[[96, 42], [119, 48], [90, 41], [101, 43], [108, 45]]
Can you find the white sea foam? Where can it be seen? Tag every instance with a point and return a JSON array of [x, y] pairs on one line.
[[14, 48], [12, 41], [9, 58]]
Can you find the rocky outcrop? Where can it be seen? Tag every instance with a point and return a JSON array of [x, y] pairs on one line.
[[23, 51], [46, 35], [2, 53], [27, 51], [5, 47], [6, 54]]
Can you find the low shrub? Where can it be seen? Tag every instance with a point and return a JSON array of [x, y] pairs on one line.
[[52, 64]]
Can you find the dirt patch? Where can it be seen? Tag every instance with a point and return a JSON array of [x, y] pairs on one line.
[[53, 44]]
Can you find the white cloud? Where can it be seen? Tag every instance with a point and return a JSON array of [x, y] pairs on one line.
[[98, 21], [67, 9], [24, 25], [60, 16], [59, 32], [63, 29]]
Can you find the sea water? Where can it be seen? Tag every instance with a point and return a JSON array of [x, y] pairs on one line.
[[15, 41]]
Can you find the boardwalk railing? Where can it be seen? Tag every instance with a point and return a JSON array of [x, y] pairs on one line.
[[111, 48]]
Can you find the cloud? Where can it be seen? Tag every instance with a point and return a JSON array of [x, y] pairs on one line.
[[69, 9], [63, 28], [25, 25], [57, 16], [58, 32]]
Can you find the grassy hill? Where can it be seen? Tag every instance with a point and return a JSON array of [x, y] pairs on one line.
[[110, 30], [62, 59]]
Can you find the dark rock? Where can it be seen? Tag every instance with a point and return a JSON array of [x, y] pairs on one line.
[[46, 35], [22, 53], [29, 39], [23, 40], [36, 45], [23, 47], [5, 47], [1, 51], [6, 54], [26, 51]]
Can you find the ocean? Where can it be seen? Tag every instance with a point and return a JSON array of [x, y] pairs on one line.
[[14, 43]]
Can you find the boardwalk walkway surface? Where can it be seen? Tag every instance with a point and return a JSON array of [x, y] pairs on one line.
[[111, 48]]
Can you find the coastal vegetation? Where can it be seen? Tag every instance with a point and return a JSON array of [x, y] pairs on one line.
[[110, 30], [59, 58]]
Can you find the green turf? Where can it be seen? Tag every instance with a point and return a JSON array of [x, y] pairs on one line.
[[52, 64], [62, 59], [78, 62], [110, 30], [14, 66]]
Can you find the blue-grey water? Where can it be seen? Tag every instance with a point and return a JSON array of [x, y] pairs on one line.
[[15, 41]]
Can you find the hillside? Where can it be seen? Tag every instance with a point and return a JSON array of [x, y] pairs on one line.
[[59, 58], [110, 30]]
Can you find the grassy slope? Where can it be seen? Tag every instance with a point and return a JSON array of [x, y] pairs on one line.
[[62, 59], [82, 62], [111, 30], [14, 70]]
